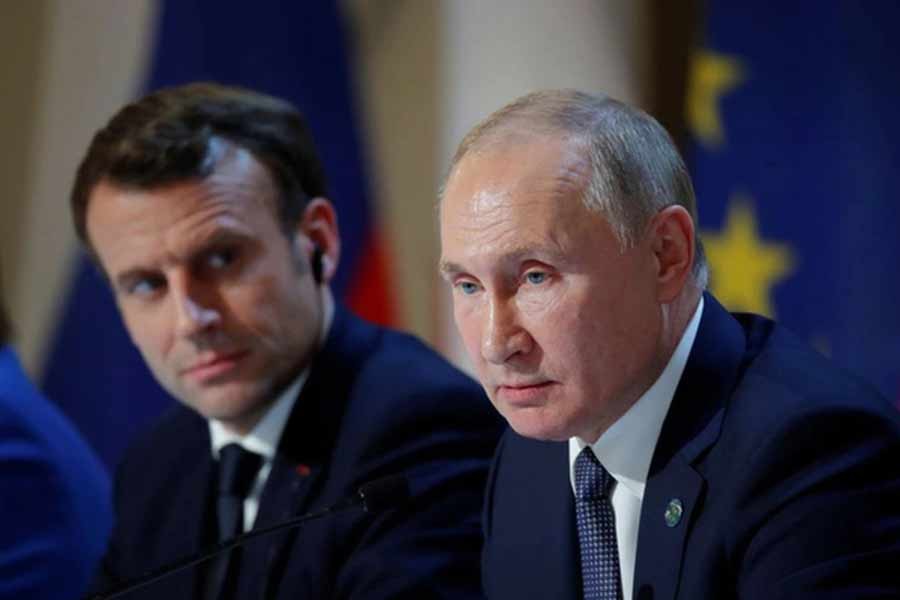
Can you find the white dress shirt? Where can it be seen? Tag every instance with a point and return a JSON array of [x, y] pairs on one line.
[[626, 449]]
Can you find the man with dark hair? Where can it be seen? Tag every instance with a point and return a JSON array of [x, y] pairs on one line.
[[55, 509], [660, 446], [205, 207]]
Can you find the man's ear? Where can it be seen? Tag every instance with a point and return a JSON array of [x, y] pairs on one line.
[[672, 241], [318, 240]]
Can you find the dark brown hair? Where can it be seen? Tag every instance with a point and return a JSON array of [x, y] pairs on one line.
[[166, 137]]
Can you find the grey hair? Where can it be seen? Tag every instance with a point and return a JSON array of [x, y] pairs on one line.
[[636, 170]]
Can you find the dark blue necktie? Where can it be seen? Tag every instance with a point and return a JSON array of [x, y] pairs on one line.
[[600, 575], [237, 472]]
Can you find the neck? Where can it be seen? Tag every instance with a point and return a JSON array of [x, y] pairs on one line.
[[675, 318]]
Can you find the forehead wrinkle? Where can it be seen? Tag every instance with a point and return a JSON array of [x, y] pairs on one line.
[[495, 216], [239, 186], [219, 226], [239, 173], [485, 203], [572, 174], [215, 223], [508, 242]]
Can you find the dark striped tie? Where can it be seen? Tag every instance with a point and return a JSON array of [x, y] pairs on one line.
[[237, 472], [600, 575]]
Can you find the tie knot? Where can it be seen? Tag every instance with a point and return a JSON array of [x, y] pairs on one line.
[[237, 470], [592, 481]]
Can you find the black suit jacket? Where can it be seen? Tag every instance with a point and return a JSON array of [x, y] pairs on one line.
[[376, 403], [788, 471]]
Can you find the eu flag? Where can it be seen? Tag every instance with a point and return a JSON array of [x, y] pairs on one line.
[[795, 154]]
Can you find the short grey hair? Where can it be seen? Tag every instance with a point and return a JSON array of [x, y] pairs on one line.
[[636, 169]]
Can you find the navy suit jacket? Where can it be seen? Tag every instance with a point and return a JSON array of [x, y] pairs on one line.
[[788, 471], [376, 403], [55, 504]]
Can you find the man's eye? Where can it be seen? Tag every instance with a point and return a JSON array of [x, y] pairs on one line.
[[536, 277], [145, 286], [467, 287], [221, 258]]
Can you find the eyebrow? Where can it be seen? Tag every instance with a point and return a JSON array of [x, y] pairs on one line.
[[516, 256], [448, 269], [203, 243], [216, 237], [124, 280]]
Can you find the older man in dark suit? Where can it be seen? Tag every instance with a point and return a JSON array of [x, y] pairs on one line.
[[662, 448], [206, 209]]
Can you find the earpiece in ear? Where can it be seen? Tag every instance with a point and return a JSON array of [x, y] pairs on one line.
[[317, 265]]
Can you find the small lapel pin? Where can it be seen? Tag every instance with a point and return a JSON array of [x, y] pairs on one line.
[[673, 512], [303, 470]]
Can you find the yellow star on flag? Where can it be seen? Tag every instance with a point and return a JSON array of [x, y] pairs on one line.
[[744, 267], [711, 76]]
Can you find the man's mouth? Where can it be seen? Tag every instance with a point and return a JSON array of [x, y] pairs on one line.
[[524, 393], [214, 366]]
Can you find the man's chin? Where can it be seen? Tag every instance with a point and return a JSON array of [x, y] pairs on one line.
[[236, 413], [531, 424]]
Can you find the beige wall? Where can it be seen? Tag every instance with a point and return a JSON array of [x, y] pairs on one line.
[[23, 35], [397, 59], [88, 61]]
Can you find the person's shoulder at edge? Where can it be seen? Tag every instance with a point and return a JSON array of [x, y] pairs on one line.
[[57, 502]]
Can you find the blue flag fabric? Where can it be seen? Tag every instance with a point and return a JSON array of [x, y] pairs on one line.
[[795, 155], [293, 50]]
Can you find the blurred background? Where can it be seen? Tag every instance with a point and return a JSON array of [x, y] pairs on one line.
[[787, 116]]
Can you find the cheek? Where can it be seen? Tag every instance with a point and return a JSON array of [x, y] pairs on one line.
[[468, 323], [150, 331], [262, 306], [553, 320], [283, 315]]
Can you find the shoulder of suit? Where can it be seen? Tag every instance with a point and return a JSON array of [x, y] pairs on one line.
[[179, 432], [413, 367], [787, 384]]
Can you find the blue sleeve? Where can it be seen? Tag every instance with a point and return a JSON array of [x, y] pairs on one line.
[[55, 511]]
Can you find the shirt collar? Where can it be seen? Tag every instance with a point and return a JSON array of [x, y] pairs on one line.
[[626, 448], [263, 438]]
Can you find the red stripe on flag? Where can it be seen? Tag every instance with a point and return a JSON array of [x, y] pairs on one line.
[[369, 295]]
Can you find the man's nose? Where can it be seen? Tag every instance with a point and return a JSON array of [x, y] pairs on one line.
[[195, 312], [504, 337]]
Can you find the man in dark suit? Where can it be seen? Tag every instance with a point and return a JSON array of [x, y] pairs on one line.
[[205, 207], [55, 504], [660, 447]]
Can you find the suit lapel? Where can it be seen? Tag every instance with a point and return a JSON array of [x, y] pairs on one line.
[[531, 550], [188, 528], [674, 487], [557, 542], [677, 488], [304, 451], [285, 496]]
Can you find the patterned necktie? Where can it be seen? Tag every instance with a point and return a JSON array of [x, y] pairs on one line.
[[600, 574], [237, 472]]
